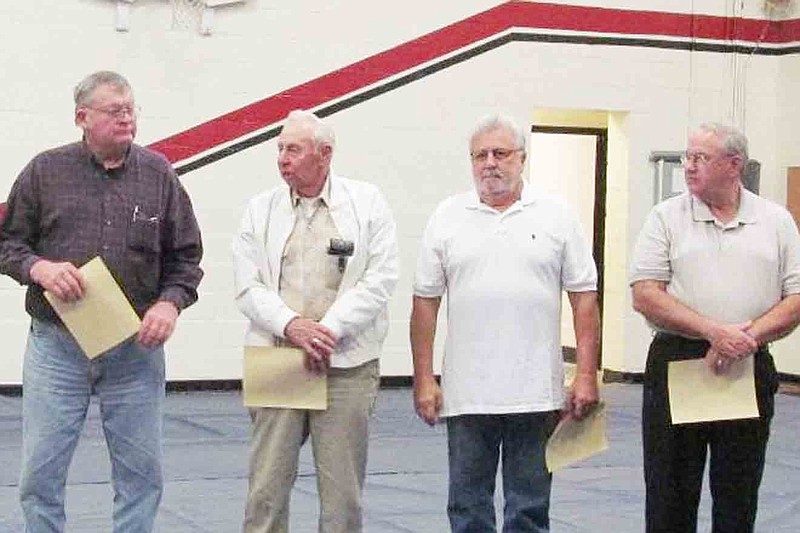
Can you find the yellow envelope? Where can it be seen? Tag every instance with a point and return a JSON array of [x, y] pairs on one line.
[[276, 377], [104, 317], [575, 440], [697, 394]]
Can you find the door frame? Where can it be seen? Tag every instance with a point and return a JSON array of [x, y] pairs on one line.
[[599, 229]]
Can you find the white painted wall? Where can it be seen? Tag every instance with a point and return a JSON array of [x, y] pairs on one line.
[[411, 141], [785, 127]]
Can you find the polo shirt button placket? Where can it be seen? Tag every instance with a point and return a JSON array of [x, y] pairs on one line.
[[501, 227]]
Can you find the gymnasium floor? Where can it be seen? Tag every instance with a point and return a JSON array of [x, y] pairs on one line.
[[206, 466]]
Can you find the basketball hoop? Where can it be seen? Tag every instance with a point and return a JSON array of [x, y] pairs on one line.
[[186, 14], [778, 8]]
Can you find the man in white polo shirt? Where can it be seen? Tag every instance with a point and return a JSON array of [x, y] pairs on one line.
[[503, 254], [716, 272]]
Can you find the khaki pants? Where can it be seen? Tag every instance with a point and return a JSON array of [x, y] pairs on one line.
[[339, 442]]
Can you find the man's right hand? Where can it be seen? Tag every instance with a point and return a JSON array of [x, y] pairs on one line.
[[427, 399], [316, 341], [731, 341], [63, 280]]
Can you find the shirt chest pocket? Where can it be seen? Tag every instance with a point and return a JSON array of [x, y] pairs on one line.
[[144, 232]]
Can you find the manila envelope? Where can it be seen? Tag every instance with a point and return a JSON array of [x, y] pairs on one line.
[[697, 394], [104, 317], [276, 377], [575, 440]]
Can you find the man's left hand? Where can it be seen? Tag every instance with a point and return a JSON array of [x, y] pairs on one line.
[[158, 324], [582, 396]]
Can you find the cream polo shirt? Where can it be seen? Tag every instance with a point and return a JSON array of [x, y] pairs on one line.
[[503, 273], [730, 272]]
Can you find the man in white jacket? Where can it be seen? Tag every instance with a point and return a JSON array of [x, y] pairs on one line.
[[315, 265]]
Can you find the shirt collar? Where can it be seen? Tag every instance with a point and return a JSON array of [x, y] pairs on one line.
[[747, 207], [324, 194], [746, 214], [527, 197], [108, 172]]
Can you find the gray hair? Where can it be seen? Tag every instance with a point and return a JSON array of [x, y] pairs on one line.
[[85, 89], [321, 132], [732, 139], [500, 122]]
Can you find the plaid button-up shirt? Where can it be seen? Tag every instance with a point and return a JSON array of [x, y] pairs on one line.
[[64, 206]]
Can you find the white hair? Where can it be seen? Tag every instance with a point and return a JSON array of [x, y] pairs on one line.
[[734, 141], [500, 122], [321, 132]]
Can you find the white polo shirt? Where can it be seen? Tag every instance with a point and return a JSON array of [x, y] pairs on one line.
[[731, 272], [503, 273]]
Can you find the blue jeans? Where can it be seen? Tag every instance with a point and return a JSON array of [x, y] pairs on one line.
[[57, 383], [474, 445]]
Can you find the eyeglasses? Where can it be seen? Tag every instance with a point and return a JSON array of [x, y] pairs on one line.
[[118, 112], [700, 158], [499, 154]]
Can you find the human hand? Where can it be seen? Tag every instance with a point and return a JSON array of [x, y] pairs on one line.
[[582, 396], [718, 364], [158, 324], [316, 341], [427, 399], [731, 341], [62, 280]]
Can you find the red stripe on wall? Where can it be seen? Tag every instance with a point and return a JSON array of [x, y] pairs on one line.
[[461, 34], [628, 22], [331, 86]]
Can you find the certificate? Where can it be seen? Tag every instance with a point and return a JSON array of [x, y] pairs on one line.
[[104, 317], [574, 440], [697, 394], [276, 377]]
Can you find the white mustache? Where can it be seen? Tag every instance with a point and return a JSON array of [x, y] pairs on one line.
[[492, 173]]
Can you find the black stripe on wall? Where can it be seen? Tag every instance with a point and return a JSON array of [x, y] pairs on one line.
[[488, 46]]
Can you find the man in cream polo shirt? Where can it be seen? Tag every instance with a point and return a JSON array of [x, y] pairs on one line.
[[503, 254], [716, 272], [315, 265]]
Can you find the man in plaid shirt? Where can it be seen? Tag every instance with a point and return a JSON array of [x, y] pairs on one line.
[[102, 196]]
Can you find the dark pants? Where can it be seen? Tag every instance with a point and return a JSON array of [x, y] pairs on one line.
[[675, 455], [475, 444]]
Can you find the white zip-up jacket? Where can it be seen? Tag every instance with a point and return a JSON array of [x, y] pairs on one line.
[[358, 316]]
